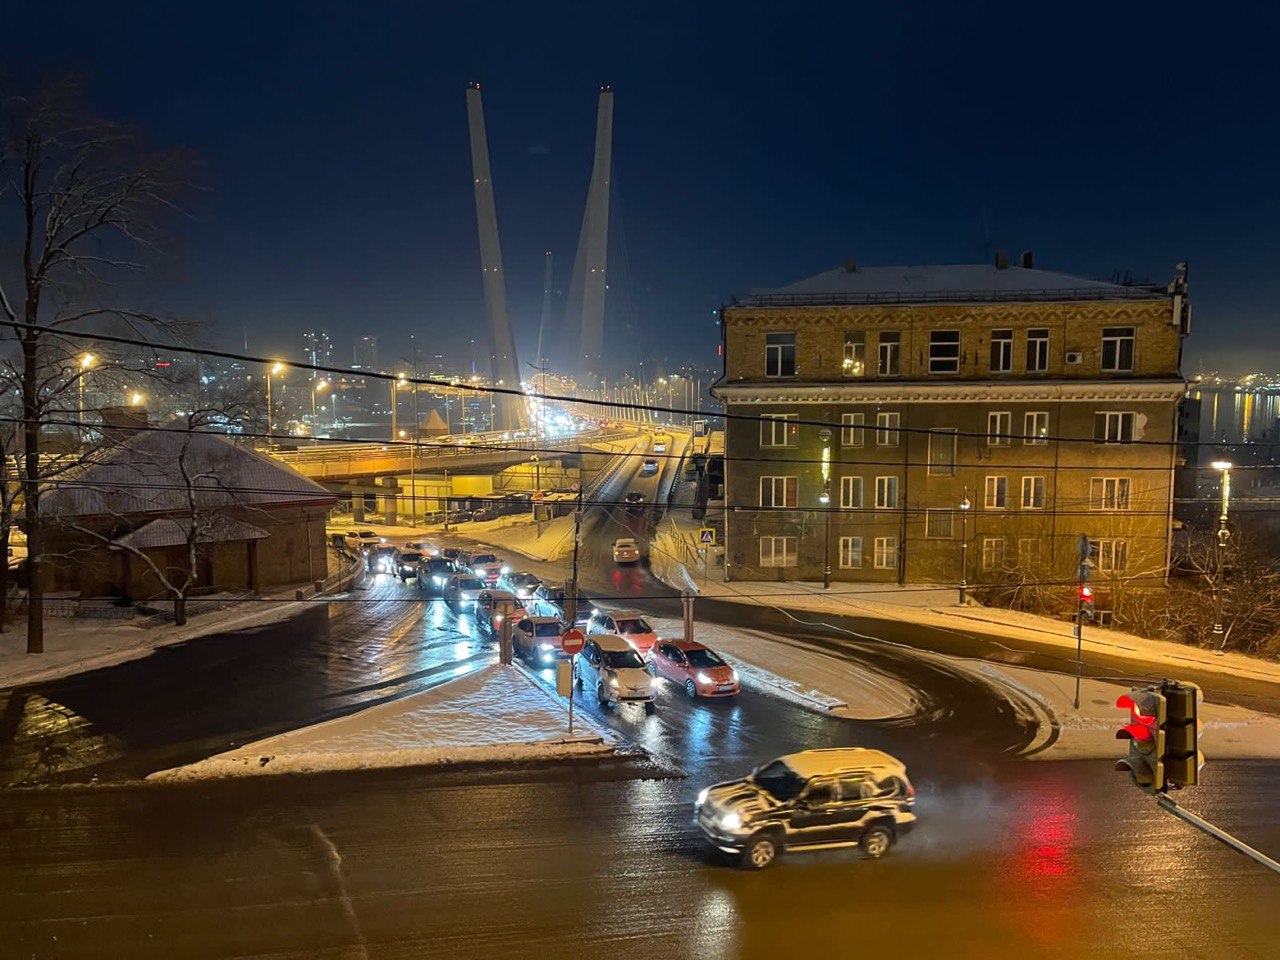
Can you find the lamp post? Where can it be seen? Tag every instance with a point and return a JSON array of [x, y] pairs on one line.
[[825, 499], [318, 387], [1224, 535], [85, 363], [274, 369], [400, 381], [965, 506]]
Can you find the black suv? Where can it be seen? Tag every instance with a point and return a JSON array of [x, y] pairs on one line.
[[812, 800]]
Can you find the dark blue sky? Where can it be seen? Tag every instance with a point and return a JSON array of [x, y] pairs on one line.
[[753, 145]]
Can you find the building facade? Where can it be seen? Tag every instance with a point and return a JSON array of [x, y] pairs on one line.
[[949, 424]]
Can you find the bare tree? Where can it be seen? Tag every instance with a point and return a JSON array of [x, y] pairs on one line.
[[80, 202]]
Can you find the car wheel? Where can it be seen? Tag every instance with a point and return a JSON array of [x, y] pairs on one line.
[[759, 853], [691, 689], [876, 842], [601, 696]]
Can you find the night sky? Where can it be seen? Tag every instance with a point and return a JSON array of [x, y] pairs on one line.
[[754, 145]]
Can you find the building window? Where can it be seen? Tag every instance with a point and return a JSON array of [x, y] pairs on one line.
[[1109, 493], [999, 428], [886, 493], [777, 551], [855, 354], [885, 556], [852, 429], [992, 553], [1112, 556], [851, 493], [944, 351], [997, 493], [777, 430], [1029, 551], [1117, 349], [1035, 429], [939, 524], [1033, 493], [942, 453], [1113, 427], [1037, 351], [887, 429], [777, 491], [779, 354], [850, 553], [1001, 351], [890, 355]]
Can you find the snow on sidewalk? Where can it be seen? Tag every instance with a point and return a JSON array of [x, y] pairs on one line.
[[494, 714]]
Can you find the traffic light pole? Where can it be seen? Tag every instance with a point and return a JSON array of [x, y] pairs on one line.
[[1164, 803]]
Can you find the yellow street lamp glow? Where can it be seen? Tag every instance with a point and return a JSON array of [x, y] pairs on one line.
[[278, 368], [826, 464], [1221, 464], [87, 361], [136, 399], [322, 385]]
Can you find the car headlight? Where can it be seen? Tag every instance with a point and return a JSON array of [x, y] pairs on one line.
[[733, 675], [613, 681], [702, 796], [437, 580], [506, 569], [731, 821], [479, 571], [703, 678], [545, 647]]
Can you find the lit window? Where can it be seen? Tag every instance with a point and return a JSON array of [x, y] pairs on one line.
[[855, 354], [1035, 429]]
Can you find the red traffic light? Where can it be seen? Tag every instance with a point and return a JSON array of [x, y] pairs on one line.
[[1086, 596], [1141, 726]]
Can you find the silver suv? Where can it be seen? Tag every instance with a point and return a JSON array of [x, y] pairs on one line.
[[812, 800]]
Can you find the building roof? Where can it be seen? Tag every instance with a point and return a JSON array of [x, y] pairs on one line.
[[154, 470], [943, 283], [168, 532]]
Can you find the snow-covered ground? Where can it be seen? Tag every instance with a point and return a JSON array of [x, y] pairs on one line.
[[75, 645], [494, 714]]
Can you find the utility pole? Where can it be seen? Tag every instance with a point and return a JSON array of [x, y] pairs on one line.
[[571, 593], [447, 491]]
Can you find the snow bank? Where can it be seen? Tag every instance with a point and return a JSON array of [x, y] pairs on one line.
[[801, 674], [494, 714]]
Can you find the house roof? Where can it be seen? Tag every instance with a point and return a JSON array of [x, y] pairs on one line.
[[974, 282], [168, 532], [159, 471]]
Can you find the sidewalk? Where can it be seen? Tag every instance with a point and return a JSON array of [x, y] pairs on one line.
[[495, 714], [932, 606]]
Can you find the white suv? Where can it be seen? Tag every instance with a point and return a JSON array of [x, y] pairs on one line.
[[611, 667]]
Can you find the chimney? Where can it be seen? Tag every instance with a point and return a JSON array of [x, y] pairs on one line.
[[1002, 260], [850, 265], [1028, 260]]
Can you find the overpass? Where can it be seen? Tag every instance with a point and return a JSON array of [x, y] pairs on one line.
[[343, 462]]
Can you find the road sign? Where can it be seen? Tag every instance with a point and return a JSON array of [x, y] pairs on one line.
[[707, 535], [571, 641]]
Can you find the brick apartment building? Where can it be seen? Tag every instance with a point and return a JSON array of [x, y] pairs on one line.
[[1048, 402]]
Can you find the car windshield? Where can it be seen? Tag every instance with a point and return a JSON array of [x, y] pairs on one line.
[[436, 565], [703, 658], [547, 629], [470, 583], [634, 625], [779, 780], [410, 557], [621, 659], [625, 543], [484, 558]]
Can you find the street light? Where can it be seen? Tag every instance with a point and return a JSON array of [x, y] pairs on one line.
[[400, 381], [965, 505], [825, 499], [275, 369], [136, 400], [85, 363], [1224, 535]]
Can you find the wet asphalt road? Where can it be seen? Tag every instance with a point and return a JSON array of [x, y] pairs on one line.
[[1011, 859]]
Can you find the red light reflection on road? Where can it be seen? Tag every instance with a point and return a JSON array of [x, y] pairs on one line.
[[1041, 864]]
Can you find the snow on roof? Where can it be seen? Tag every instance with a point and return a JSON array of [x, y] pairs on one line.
[[167, 532], [813, 763], [153, 471], [965, 282]]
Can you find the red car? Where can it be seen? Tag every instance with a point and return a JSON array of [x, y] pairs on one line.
[[696, 668]]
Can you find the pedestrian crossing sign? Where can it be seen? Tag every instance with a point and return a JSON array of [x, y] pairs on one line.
[[707, 535]]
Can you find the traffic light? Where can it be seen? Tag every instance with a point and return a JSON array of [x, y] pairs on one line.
[[1086, 601], [1146, 735], [1182, 757]]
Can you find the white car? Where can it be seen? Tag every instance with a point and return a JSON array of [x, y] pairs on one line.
[[610, 667], [626, 550], [462, 591], [488, 567], [650, 465]]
